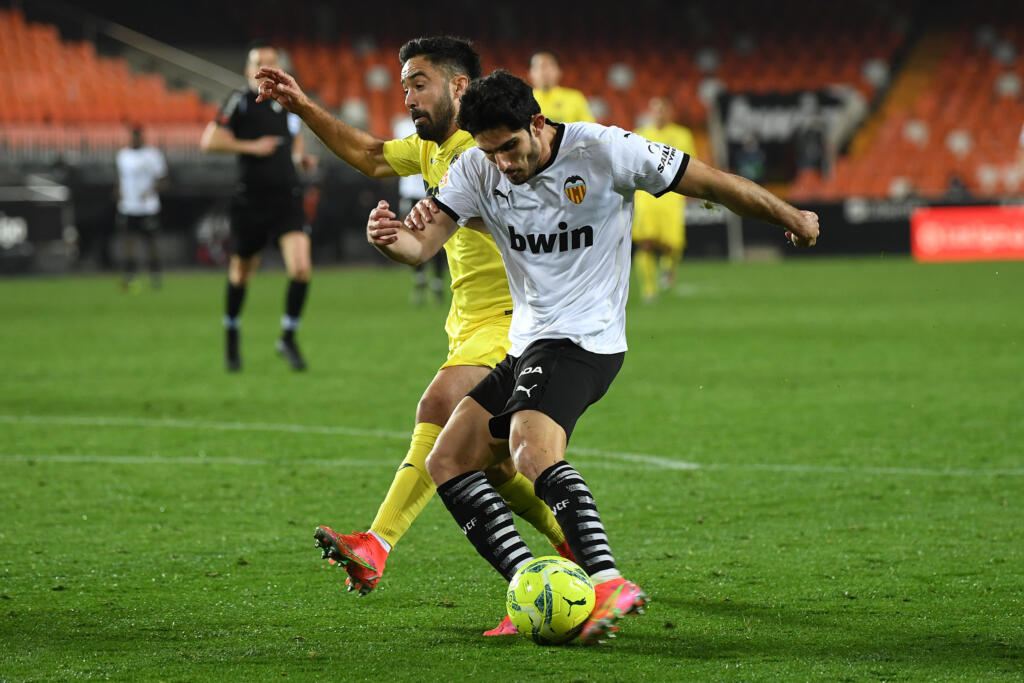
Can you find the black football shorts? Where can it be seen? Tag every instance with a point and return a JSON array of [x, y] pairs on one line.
[[553, 376], [257, 219]]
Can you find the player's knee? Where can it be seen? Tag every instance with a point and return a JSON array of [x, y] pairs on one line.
[[301, 272], [434, 407], [437, 467]]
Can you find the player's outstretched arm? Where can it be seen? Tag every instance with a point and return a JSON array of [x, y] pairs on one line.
[[359, 149], [748, 199], [403, 242]]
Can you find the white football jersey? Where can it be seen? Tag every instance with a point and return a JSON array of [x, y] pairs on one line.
[[565, 233], [138, 171]]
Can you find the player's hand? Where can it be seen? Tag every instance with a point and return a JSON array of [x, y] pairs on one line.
[[277, 85], [805, 233], [421, 214], [382, 227], [263, 146]]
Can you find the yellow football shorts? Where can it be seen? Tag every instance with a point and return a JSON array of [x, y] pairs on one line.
[[479, 343], [660, 220]]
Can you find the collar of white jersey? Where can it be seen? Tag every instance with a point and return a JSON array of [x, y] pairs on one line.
[[555, 145]]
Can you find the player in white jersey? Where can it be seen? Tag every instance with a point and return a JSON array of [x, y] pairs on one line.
[[141, 171], [558, 199]]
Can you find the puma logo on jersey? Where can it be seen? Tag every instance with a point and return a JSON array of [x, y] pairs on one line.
[[532, 371], [520, 387], [506, 197], [564, 240]]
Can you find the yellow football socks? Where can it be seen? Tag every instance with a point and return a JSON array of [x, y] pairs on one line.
[[519, 494], [647, 270], [411, 488]]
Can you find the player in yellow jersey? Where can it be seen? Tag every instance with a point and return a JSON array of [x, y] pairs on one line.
[[564, 105], [659, 224], [435, 73]]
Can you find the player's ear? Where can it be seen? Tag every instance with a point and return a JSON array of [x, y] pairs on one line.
[[537, 124], [459, 85]]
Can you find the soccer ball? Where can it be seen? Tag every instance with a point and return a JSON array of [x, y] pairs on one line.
[[550, 598]]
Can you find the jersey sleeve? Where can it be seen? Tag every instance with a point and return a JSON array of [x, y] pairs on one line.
[[404, 155], [228, 113], [458, 192], [639, 164]]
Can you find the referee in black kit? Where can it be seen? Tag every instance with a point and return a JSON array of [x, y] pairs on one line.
[[268, 203]]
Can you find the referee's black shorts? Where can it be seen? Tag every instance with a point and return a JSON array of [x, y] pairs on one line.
[[553, 376], [258, 218]]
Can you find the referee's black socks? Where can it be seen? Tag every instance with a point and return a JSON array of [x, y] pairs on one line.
[[233, 305], [294, 300]]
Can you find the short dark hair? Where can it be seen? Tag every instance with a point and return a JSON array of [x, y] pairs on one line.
[[496, 101], [455, 56]]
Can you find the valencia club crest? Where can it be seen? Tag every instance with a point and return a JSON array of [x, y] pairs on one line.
[[575, 189]]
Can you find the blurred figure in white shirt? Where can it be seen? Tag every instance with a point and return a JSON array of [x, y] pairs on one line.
[[141, 173]]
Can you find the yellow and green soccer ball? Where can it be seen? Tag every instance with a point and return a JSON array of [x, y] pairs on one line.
[[550, 598]]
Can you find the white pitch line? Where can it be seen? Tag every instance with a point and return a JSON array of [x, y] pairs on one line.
[[641, 459]]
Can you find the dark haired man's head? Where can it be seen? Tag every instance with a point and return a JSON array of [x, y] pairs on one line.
[[435, 73], [260, 54], [137, 138], [501, 114], [496, 101]]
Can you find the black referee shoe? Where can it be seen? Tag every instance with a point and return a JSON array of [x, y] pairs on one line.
[[289, 350], [232, 358]]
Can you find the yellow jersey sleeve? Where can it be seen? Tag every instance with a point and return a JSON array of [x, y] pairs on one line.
[[404, 155]]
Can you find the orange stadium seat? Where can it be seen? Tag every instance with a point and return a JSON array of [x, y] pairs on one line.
[[70, 97]]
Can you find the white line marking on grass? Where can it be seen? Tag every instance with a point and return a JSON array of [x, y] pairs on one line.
[[644, 460], [175, 423]]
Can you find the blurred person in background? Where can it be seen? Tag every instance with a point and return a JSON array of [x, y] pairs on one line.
[[659, 223], [411, 189], [141, 174], [435, 73], [268, 203], [558, 103]]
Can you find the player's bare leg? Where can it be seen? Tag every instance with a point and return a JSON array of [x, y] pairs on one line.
[[240, 271], [363, 554], [298, 262]]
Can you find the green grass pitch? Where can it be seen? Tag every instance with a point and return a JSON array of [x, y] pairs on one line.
[[814, 468]]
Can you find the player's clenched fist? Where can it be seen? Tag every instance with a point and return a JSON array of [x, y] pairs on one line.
[[805, 233], [382, 227], [421, 214]]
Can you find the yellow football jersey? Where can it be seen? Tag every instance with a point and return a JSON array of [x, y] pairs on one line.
[[563, 105], [479, 285]]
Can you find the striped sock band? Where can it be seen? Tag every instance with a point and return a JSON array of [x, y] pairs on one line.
[[486, 520], [563, 489]]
